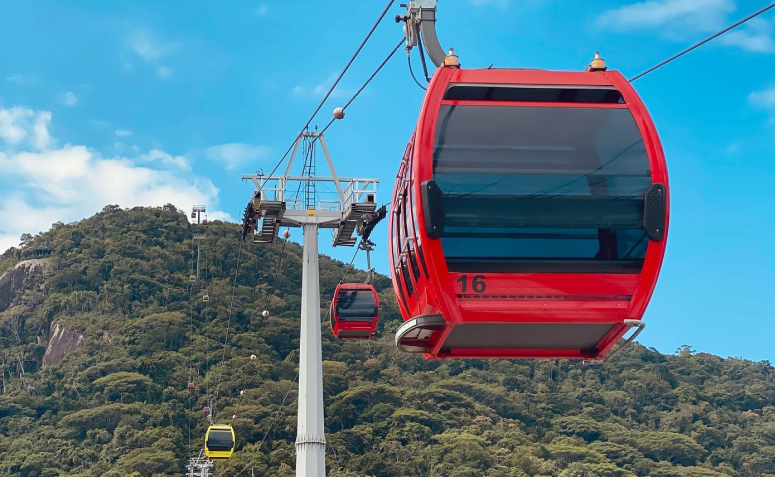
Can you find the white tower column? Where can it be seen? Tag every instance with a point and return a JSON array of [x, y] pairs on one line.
[[273, 207], [310, 437]]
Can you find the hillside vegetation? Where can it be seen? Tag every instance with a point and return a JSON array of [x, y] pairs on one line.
[[118, 404]]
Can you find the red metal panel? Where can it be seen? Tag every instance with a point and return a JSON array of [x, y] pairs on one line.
[[532, 104], [512, 297], [530, 77], [656, 250], [512, 354]]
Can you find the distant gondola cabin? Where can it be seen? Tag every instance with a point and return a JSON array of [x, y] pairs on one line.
[[354, 311], [219, 441]]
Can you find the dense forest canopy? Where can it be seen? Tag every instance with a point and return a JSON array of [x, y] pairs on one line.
[[117, 288]]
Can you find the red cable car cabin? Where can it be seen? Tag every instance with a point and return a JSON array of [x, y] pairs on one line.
[[354, 311], [529, 215]]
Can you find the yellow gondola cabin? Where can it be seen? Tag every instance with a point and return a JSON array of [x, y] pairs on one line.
[[219, 441]]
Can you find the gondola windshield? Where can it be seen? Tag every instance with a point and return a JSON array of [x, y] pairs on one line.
[[220, 440], [540, 189], [356, 305]]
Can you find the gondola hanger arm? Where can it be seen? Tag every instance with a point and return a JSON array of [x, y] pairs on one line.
[[420, 18], [367, 245]]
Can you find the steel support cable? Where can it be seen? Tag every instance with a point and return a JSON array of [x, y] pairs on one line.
[[228, 326], [706, 40], [344, 277], [411, 71], [333, 86], [279, 263], [349, 102], [360, 90], [422, 58], [274, 281], [350, 265], [239, 404], [278, 268], [271, 425], [207, 348], [190, 342]]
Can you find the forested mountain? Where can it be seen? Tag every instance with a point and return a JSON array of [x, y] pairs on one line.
[[121, 328]]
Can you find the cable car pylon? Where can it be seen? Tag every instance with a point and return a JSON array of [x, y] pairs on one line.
[[196, 213], [272, 207], [200, 466]]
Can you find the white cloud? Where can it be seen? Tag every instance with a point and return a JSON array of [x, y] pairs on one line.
[[261, 10], [764, 99], [145, 45], [165, 72], [15, 210], [668, 15], [754, 36], [299, 90], [150, 49], [40, 136], [79, 180], [179, 162], [11, 129], [23, 79], [123, 132], [20, 124], [681, 18], [219, 215], [68, 99], [123, 147], [62, 167], [321, 89], [234, 155]]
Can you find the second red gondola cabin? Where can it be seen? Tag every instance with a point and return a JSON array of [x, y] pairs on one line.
[[354, 311]]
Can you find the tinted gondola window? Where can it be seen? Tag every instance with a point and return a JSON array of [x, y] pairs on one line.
[[220, 441], [537, 189], [356, 306], [533, 93]]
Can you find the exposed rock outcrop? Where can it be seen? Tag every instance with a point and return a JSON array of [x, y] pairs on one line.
[[13, 280], [61, 341]]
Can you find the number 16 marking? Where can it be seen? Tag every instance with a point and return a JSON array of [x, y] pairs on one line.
[[478, 284]]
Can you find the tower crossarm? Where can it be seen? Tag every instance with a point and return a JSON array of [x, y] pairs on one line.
[[276, 203]]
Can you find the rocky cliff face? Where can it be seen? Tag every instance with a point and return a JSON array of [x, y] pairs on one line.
[[13, 280], [60, 342]]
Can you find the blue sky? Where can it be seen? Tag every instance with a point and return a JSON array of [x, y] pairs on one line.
[[145, 102]]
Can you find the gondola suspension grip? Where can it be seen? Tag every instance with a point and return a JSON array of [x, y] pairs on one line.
[[422, 14]]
